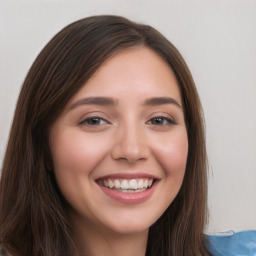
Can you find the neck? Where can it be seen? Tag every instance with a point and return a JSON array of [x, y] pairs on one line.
[[91, 241]]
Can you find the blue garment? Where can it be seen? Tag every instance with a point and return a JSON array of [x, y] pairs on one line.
[[233, 244]]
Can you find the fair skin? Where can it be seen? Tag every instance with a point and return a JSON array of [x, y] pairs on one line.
[[119, 150]]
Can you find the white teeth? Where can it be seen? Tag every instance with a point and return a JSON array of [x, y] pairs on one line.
[[133, 184], [124, 185], [117, 184], [140, 184], [110, 183], [145, 183]]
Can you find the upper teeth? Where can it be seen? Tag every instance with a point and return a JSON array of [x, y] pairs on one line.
[[127, 183]]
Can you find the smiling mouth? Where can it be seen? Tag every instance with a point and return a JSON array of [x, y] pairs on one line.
[[127, 185]]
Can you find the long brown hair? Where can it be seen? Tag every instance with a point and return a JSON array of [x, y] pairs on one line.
[[33, 213]]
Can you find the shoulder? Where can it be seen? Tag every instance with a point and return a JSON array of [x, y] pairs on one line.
[[232, 244]]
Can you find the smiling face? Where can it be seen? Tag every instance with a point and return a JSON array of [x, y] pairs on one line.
[[120, 146]]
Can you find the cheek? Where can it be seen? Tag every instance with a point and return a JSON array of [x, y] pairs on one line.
[[171, 152], [75, 156], [75, 151]]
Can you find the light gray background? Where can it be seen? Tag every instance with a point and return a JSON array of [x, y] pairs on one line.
[[218, 41]]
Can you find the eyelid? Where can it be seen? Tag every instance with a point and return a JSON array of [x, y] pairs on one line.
[[93, 117], [96, 115], [165, 119], [171, 120]]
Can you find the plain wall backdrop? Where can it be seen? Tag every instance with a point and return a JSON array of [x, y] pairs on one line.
[[217, 40]]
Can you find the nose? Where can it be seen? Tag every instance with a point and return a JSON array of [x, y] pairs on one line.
[[130, 145]]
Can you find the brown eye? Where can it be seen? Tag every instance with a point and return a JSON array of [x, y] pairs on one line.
[[161, 121], [93, 121]]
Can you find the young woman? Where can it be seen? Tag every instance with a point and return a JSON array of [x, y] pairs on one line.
[[106, 154]]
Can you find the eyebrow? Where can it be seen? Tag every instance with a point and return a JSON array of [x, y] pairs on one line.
[[102, 101], [107, 101], [161, 101]]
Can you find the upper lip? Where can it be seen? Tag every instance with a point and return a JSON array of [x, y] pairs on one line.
[[128, 175]]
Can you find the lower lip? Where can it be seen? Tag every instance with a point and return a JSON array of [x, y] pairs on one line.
[[129, 198]]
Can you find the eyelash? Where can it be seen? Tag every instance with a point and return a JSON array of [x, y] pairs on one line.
[[163, 121], [97, 118], [169, 121]]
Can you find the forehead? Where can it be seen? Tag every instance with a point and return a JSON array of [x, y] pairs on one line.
[[132, 73]]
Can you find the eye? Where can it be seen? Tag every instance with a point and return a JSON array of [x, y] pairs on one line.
[[93, 121], [160, 120]]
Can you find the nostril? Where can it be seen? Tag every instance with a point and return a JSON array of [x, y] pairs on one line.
[[130, 153]]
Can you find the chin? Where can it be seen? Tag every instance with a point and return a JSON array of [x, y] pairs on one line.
[[130, 229], [127, 225]]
